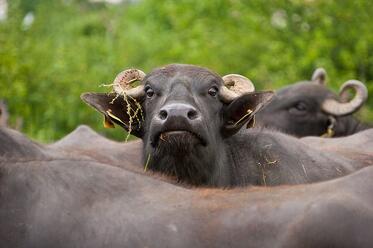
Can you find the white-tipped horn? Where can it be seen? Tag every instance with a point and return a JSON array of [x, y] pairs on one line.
[[336, 108], [234, 86], [122, 83], [319, 76]]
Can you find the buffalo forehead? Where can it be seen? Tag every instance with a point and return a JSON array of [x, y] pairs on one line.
[[180, 73], [306, 89]]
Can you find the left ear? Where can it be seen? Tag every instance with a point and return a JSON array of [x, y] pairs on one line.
[[127, 114], [242, 110]]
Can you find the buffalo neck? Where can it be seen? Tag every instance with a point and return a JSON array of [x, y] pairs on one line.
[[349, 125], [208, 166]]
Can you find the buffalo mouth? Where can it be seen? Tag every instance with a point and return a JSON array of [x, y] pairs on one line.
[[170, 137]]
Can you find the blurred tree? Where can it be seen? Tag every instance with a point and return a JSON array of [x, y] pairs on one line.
[[75, 46]]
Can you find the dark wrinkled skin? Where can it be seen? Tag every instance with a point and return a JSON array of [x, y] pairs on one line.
[[358, 143], [54, 199], [83, 141], [296, 110], [205, 153]]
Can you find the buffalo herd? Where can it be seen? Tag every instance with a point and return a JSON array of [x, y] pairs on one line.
[[218, 164]]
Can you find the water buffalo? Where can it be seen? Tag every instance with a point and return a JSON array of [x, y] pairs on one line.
[[4, 115], [189, 119], [84, 141], [54, 199], [308, 108]]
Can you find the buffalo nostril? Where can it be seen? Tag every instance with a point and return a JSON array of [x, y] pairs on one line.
[[163, 114], [192, 114]]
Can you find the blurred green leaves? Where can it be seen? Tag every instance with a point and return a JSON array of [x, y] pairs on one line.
[[74, 46]]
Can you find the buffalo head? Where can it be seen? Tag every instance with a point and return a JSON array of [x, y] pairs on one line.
[[183, 113], [309, 108]]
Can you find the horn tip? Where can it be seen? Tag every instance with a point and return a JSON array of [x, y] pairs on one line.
[[319, 75]]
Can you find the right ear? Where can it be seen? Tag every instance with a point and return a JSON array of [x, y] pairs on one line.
[[242, 110], [125, 112]]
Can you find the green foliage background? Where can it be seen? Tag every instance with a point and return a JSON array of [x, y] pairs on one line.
[[74, 46]]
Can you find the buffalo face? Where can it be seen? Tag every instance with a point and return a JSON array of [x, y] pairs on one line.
[[296, 110], [188, 113], [309, 108]]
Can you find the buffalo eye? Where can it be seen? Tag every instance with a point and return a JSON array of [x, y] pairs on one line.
[[149, 92], [299, 108], [213, 91]]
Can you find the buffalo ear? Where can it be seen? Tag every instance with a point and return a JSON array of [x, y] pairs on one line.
[[242, 110], [125, 113]]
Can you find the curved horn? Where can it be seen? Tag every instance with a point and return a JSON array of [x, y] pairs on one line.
[[336, 108], [122, 83], [234, 86], [319, 76]]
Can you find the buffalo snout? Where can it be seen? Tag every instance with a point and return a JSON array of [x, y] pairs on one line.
[[180, 122], [178, 111]]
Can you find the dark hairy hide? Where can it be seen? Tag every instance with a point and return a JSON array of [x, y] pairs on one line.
[[180, 155]]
